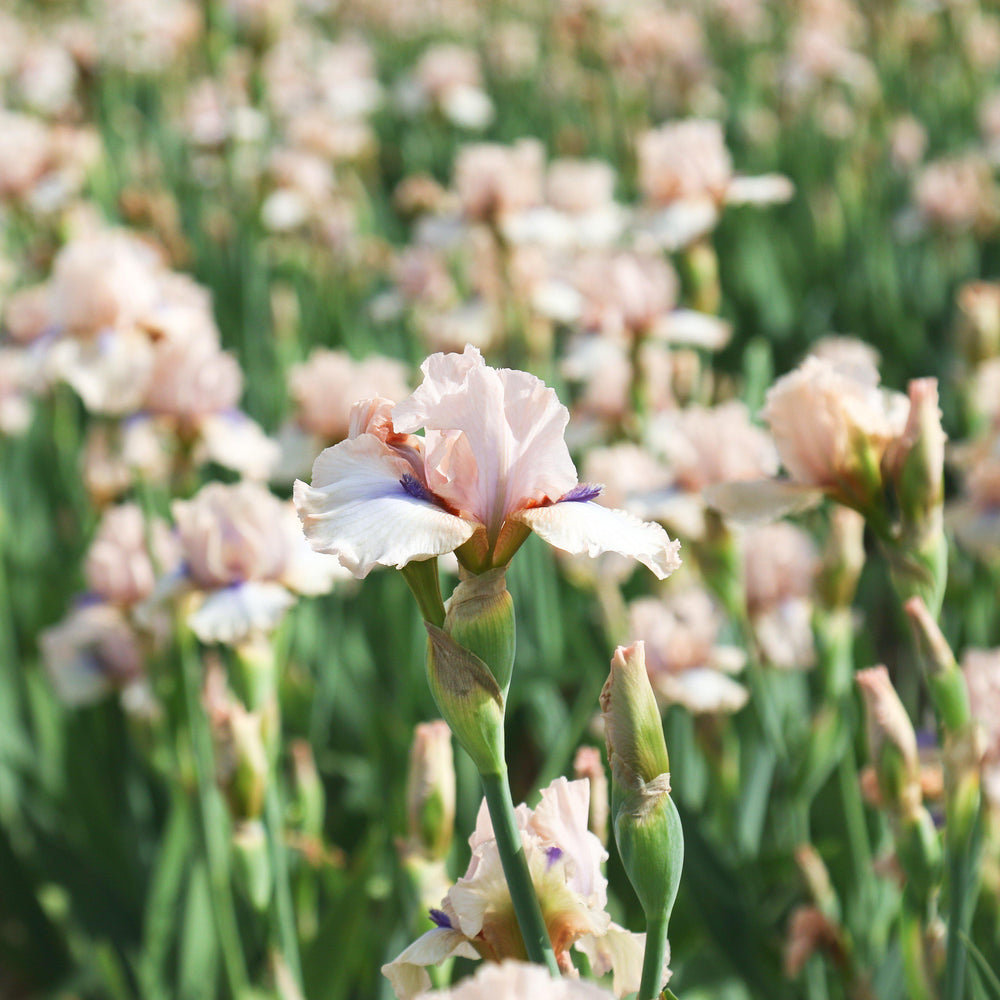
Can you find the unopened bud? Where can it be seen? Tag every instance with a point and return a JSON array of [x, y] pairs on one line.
[[241, 762], [252, 866], [843, 558], [893, 742], [944, 678], [469, 699], [430, 791], [647, 827], [637, 751], [480, 617], [979, 321], [914, 462], [308, 795]]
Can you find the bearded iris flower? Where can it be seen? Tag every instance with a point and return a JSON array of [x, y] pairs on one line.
[[491, 467]]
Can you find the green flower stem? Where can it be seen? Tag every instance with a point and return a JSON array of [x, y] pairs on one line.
[[515, 869], [652, 959], [284, 909], [912, 928], [964, 885], [213, 830]]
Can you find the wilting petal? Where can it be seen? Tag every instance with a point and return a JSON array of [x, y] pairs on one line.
[[406, 972], [621, 952], [230, 614], [587, 527], [359, 510], [759, 500]]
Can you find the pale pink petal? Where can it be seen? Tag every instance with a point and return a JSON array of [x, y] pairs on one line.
[[231, 614], [359, 511], [619, 951], [586, 527], [510, 450], [702, 690], [764, 189], [561, 818], [406, 971], [759, 500]]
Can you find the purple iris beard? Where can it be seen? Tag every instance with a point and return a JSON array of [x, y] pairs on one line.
[[553, 854], [441, 918], [416, 489], [582, 492]]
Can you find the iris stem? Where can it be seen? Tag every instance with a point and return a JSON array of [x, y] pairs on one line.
[[651, 983], [284, 907], [213, 822], [515, 870]]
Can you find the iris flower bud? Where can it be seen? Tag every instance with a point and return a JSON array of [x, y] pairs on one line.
[[647, 826]]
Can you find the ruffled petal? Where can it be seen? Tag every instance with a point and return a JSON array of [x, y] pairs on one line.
[[359, 510], [406, 971], [588, 528], [231, 614], [619, 951], [495, 437]]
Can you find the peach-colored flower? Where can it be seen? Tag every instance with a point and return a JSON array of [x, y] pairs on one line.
[[491, 467], [493, 180], [957, 194], [476, 918], [244, 558], [513, 980], [707, 445], [119, 566], [780, 566], [325, 387], [686, 666], [93, 651]]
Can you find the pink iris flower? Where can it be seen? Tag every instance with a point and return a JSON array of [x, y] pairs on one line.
[[491, 467]]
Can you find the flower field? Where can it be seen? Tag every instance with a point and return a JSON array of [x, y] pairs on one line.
[[500, 499]]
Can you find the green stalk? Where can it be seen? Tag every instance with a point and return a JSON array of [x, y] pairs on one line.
[[912, 925], [284, 909], [213, 830], [515, 870], [652, 959], [963, 889]]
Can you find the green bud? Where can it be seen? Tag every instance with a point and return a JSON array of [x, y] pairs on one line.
[[637, 751], [308, 795], [480, 617], [914, 462], [918, 848], [430, 791], [843, 558], [651, 844], [252, 867], [944, 678], [646, 824], [468, 697], [892, 741]]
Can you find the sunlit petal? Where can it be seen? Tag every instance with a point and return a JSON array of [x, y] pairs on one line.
[[406, 971], [359, 510], [587, 527]]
